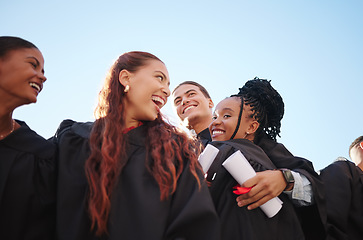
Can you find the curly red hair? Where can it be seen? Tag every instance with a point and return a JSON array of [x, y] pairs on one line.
[[166, 146]]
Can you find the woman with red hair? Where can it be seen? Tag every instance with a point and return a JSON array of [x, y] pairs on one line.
[[131, 175]]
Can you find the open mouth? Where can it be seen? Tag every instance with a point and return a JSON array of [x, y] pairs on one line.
[[36, 86], [159, 101], [188, 108], [217, 132]]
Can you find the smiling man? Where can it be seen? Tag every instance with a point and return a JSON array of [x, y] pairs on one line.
[[193, 106]]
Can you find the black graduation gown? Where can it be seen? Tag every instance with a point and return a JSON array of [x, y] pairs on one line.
[[344, 200], [204, 137], [136, 209], [313, 218], [238, 222], [27, 186]]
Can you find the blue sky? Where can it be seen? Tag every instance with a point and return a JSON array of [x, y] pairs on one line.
[[311, 50]]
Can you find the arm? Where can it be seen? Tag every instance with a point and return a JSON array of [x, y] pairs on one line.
[[269, 184]]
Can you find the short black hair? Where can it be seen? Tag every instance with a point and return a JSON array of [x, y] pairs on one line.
[[355, 143]]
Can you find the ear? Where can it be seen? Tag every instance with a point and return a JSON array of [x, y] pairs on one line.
[[124, 77], [253, 127], [361, 145], [210, 103]]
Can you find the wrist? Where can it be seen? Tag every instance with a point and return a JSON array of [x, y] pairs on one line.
[[289, 179]]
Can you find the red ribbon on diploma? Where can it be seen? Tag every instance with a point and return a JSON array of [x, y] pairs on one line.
[[241, 190]]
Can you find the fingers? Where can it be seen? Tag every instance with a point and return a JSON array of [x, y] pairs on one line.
[[256, 197], [264, 189]]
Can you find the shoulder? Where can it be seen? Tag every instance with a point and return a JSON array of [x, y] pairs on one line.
[[69, 127], [26, 140], [340, 166], [244, 145], [251, 151]]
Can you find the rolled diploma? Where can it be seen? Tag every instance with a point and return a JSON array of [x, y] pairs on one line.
[[241, 170], [207, 157]]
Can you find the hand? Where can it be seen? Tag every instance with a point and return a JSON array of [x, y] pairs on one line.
[[265, 186]]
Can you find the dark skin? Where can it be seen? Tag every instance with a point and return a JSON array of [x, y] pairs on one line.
[[265, 186]]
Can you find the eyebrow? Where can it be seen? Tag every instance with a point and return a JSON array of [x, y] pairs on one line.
[[190, 90], [228, 109], [164, 76], [38, 63]]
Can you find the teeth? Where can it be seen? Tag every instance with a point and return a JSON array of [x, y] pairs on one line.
[[158, 100], [217, 132], [36, 86], [188, 108]]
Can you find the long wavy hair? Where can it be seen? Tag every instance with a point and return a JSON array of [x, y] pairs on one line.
[[166, 145]]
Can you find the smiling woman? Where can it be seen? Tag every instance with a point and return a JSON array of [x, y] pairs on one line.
[[131, 175], [27, 177]]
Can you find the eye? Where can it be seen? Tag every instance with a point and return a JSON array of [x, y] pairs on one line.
[[176, 102], [226, 116], [214, 117], [161, 78], [191, 94], [33, 64]]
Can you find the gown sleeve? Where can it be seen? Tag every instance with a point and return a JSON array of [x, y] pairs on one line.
[[72, 220], [192, 215], [314, 217], [338, 181]]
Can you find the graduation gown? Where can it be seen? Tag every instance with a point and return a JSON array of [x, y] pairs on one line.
[[238, 222], [313, 218], [204, 137], [27, 186], [344, 200], [136, 209]]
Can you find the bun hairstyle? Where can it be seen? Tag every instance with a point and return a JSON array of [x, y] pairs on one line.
[[267, 106]]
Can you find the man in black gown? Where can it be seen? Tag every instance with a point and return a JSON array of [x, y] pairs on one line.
[[344, 194]]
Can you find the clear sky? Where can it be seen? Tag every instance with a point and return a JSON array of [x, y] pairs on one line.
[[311, 50]]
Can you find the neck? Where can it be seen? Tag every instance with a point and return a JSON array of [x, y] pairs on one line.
[[199, 126], [7, 126]]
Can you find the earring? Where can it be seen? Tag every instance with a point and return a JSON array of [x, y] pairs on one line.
[[127, 88], [246, 134]]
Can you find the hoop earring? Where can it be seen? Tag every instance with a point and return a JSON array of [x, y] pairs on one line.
[[127, 88]]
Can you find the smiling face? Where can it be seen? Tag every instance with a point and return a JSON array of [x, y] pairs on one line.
[[192, 106], [225, 118], [21, 76], [148, 92]]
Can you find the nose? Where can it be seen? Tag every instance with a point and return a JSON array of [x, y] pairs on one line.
[[42, 77], [166, 91], [185, 101], [216, 121]]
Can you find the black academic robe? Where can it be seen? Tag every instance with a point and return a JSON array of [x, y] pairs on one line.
[[136, 209], [27, 186], [204, 137], [238, 222], [344, 200], [313, 218]]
